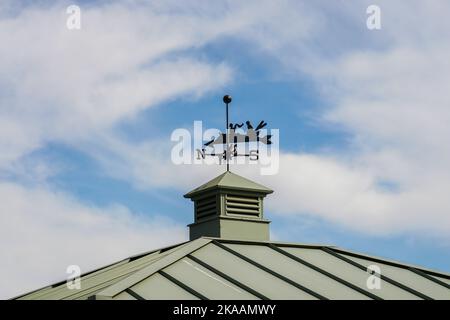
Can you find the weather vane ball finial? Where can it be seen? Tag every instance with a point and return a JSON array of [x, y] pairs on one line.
[[227, 98]]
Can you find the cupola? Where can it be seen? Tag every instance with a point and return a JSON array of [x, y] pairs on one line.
[[229, 206]]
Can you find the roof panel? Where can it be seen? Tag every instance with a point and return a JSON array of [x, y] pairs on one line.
[[57, 287], [156, 287], [253, 277], [93, 282], [85, 292], [348, 272], [407, 277], [206, 282], [298, 272], [138, 276]]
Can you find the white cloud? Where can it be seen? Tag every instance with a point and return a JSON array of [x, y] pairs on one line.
[[351, 195], [349, 192], [60, 84], [43, 231], [74, 87], [70, 86], [388, 90]]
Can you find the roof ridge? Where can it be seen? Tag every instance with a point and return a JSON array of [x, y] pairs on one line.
[[392, 262], [177, 254]]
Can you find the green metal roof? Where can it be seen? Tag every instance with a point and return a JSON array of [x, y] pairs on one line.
[[229, 180], [213, 268]]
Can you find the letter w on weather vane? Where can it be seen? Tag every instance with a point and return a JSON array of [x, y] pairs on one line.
[[230, 139]]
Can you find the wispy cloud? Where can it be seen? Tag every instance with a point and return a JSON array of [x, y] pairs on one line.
[[74, 87], [386, 88], [389, 95]]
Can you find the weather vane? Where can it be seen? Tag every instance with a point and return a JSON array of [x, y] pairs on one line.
[[230, 139]]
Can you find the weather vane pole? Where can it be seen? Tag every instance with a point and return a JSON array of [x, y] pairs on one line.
[[227, 99]]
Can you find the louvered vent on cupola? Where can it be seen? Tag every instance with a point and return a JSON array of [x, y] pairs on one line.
[[243, 205], [229, 206], [205, 207]]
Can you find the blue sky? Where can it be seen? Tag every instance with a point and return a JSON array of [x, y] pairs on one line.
[[86, 117]]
